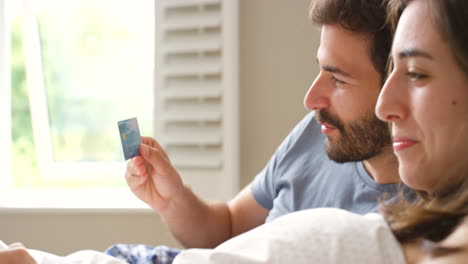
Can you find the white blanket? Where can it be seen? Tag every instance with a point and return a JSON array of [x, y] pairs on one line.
[[322, 236], [79, 257]]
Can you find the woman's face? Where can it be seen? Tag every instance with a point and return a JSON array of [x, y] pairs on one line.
[[426, 100]]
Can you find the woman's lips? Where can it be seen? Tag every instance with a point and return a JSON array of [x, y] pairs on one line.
[[400, 143], [326, 129]]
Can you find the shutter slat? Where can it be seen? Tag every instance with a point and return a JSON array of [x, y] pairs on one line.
[[185, 3], [193, 117], [191, 70], [187, 47], [191, 93], [196, 22], [194, 139]]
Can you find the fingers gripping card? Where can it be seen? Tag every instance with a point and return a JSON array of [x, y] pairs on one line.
[[130, 137]]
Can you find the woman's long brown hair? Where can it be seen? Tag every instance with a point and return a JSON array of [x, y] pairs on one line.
[[429, 217]]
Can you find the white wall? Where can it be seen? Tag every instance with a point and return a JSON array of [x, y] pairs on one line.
[[278, 45], [277, 64], [62, 232]]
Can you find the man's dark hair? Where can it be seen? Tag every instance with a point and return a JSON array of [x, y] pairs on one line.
[[362, 17]]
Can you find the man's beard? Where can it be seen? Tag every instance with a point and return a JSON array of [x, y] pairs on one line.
[[358, 140]]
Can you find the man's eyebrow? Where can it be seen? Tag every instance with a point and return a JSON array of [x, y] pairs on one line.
[[333, 69], [414, 53]]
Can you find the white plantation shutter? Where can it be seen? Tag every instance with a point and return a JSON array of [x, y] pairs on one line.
[[196, 92]]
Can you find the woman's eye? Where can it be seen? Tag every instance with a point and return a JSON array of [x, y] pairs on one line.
[[414, 76]]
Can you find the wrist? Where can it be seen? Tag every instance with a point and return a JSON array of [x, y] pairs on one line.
[[177, 202]]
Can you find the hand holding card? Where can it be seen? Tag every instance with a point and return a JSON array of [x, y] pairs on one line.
[[130, 137]]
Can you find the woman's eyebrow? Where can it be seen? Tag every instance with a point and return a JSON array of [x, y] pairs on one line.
[[413, 52]]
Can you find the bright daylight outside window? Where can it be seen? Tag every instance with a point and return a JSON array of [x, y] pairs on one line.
[[77, 68]]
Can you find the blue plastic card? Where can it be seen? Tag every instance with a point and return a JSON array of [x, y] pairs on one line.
[[130, 137]]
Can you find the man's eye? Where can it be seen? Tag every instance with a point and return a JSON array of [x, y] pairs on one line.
[[414, 76], [337, 81]]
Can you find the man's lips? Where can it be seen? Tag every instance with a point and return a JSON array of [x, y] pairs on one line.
[[326, 129], [401, 143]]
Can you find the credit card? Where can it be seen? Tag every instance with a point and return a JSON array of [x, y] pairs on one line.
[[130, 137]]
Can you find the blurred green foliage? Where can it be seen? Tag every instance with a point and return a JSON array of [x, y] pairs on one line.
[[24, 166]]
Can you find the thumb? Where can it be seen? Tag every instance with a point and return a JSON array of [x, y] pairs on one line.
[[153, 156]]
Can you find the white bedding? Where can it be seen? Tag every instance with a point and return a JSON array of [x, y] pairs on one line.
[[79, 257], [322, 236]]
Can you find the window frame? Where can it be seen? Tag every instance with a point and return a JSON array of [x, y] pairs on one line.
[[227, 177], [5, 95]]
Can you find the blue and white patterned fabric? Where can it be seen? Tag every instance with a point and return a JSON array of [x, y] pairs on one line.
[[142, 254]]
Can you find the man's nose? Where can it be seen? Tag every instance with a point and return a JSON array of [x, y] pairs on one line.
[[316, 97]]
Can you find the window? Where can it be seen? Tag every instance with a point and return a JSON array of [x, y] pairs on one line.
[[76, 68], [72, 68]]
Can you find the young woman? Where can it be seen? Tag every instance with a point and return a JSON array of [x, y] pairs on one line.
[[425, 98], [426, 101]]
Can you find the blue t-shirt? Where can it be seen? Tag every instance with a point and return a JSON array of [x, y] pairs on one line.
[[301, 176]]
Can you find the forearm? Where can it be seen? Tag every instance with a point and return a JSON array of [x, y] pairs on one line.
[[196, 223]]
